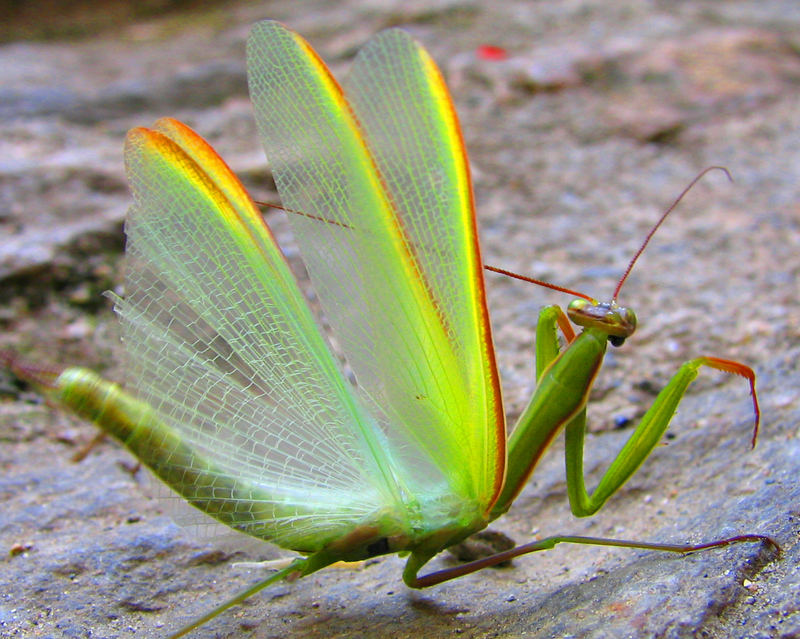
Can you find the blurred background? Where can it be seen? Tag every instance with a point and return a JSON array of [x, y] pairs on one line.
[[583, 120]]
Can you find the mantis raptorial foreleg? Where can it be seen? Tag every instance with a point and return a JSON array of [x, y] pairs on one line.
[[641, 442], [565, 378]]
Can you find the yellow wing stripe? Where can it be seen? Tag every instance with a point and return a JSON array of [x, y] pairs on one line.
[[479, 310]]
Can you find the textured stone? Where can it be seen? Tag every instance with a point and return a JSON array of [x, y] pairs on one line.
[[571, 168]]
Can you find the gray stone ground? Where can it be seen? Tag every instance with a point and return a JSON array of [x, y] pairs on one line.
[[602, 113]]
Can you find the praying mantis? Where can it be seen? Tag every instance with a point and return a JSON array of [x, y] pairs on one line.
[[236, 401]]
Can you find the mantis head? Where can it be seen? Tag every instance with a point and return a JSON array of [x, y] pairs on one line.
[[618, 322]]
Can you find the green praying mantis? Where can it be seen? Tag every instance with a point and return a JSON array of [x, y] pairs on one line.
[[236, 401]]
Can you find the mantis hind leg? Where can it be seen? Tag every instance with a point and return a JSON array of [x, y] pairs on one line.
[[643, 439], [415, 563]]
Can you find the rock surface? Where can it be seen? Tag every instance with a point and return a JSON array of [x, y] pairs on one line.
[[594, 122]]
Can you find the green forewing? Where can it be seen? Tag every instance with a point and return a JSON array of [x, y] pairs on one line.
[[223, 347], [387, 232]]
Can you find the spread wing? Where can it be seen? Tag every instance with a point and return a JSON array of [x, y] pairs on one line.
[[222, 345], [379, 177]]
